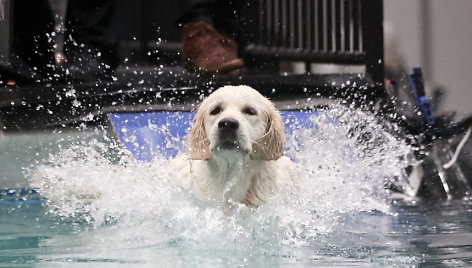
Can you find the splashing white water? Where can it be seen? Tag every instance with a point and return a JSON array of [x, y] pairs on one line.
[[344, 162]]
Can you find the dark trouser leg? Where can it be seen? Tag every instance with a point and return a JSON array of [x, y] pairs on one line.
[[196, 10], [225, 15], [89, 25], [32, 40], [206, 47], [228, 17]]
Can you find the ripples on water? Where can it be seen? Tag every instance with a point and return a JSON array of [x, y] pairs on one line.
[[344, 161]]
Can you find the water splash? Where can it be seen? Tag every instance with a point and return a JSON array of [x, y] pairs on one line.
[[344, 161]]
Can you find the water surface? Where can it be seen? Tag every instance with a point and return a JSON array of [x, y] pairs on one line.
[[100, 206]]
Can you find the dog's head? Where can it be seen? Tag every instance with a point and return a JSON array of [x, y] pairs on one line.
[[237, 119]]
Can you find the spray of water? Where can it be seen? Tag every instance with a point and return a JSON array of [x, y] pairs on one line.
[[344, 162]]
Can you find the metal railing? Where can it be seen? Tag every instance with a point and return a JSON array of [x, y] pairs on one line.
[[322, 31], [313, 26]]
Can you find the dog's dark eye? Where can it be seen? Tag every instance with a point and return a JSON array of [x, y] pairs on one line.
[[215, 110], [249, 111]]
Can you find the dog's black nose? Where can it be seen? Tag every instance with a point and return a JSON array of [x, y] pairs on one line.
[[228, 124]]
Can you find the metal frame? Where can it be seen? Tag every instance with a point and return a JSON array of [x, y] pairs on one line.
[[341, 32], [5, 32]]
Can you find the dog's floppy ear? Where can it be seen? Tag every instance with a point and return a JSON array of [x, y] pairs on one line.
[[270, 146], [198, 142]]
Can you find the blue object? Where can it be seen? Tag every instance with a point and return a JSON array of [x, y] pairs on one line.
[[164, 132], [22, 195], [421, 101]]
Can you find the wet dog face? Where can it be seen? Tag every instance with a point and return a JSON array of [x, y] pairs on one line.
[[234, 121], [237, 119]]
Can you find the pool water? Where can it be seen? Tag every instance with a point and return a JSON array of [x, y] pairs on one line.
[[412, 235], [94, 204]]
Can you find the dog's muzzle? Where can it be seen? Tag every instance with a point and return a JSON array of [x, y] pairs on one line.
[[228, 134]]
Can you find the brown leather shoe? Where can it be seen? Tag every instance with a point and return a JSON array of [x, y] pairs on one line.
[[207, 51]]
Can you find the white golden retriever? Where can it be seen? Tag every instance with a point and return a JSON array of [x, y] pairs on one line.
[[235, 150]]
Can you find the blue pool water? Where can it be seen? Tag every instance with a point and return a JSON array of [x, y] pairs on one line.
[[412, 235], [100, 207]]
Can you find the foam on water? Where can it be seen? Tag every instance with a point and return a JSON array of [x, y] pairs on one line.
[[344, 162]]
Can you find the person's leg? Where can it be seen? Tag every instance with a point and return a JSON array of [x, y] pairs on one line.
[[228, 18], [32, 44], [90, 42], [196, 10], [204, 48]]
